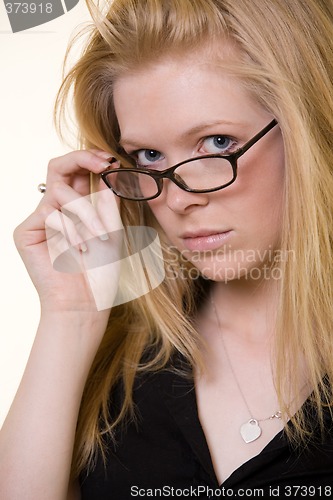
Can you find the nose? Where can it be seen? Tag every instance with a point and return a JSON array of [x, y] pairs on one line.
[[181, 201]]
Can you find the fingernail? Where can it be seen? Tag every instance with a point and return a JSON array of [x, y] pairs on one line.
[[105, 155], [83, 247], [104, 237], [105, 164], [99, 230]]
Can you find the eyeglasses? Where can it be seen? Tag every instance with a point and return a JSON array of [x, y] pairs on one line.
[[203, 174]]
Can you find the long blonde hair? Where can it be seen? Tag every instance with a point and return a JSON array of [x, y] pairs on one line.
[[286, 62]]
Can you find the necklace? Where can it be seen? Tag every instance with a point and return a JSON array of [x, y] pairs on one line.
[[250, 430]]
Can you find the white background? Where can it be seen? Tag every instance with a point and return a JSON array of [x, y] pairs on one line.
[[31, 69]]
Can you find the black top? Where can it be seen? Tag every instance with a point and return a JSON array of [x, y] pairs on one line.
[[165, 454]]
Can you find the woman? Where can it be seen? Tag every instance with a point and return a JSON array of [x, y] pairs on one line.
[[219, 378]]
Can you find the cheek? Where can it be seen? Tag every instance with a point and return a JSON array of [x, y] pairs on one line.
[[260, 183], [160, 212], [159, 207], [155, 207]]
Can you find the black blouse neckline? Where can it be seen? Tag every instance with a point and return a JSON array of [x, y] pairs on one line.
[[180, 399], [166, 445]]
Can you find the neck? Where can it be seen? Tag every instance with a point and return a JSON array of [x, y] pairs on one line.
[[247, 309]]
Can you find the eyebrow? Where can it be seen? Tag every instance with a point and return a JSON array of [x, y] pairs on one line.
[[185, 135]]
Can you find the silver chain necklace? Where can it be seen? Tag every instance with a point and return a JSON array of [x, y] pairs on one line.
[[250, 430]]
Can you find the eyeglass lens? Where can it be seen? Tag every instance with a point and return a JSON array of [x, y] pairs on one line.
[[202, 174]]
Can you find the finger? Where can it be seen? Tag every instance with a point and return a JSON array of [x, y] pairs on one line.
[[58, 223], [32, 230], [70, 202], [66, 240], [107, 206], [102, 154], [76, 162]]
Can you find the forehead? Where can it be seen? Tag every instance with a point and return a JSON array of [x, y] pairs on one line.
[[210, 58], [180, 92]]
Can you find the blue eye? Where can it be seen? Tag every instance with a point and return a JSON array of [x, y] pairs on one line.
[[147, 157], [218, 144]]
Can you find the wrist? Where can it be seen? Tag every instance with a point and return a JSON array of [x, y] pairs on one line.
[[82, 327]]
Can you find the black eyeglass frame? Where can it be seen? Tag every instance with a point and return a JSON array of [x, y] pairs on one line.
[[168, 173]]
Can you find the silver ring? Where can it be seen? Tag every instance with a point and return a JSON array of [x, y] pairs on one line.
[[41, 187]]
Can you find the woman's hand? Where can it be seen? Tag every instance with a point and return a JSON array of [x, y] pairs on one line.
[[68, 239], [73, 270]]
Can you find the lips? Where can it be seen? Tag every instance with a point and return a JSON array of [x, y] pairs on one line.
[[205, 240]]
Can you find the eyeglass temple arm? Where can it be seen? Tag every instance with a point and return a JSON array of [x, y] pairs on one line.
[[256, 138]]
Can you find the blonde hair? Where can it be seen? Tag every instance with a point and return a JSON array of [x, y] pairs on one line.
[[286, 62]]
